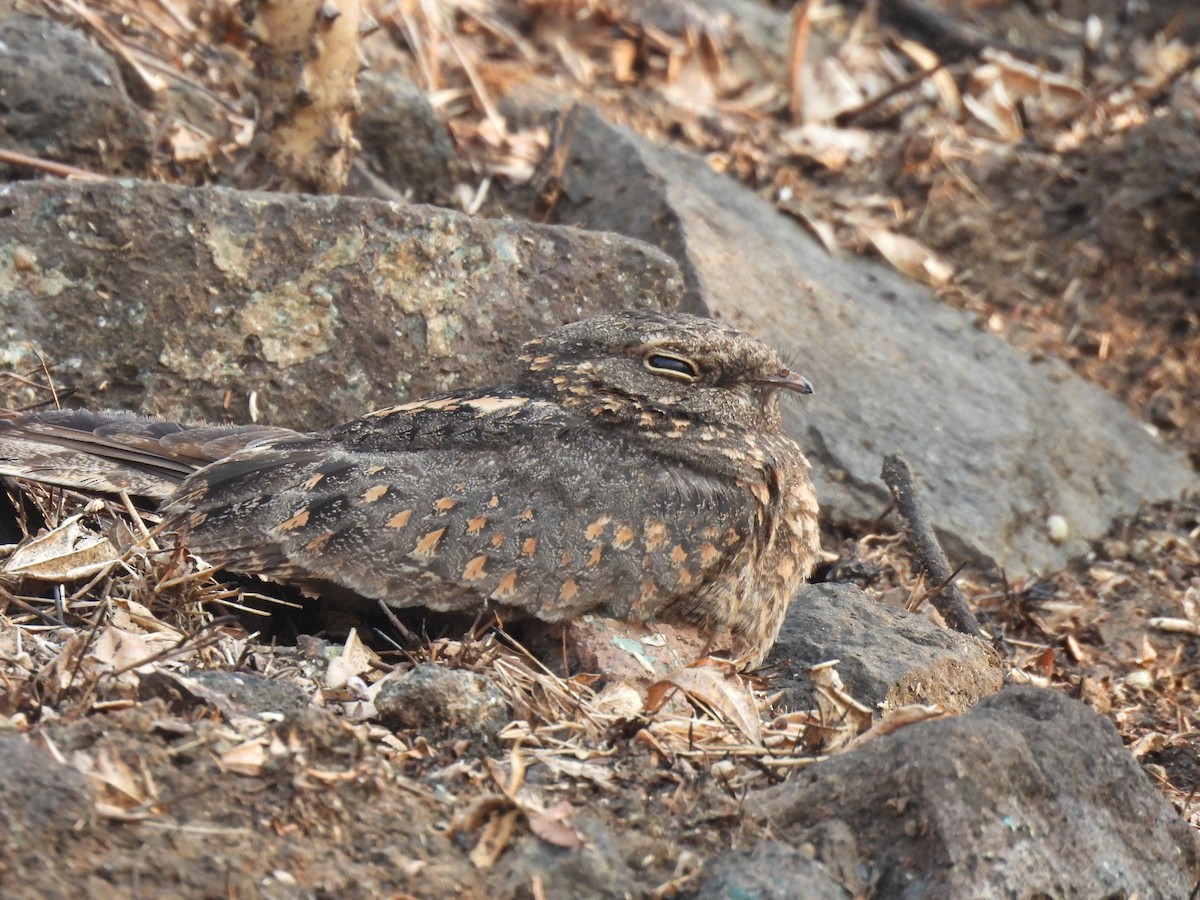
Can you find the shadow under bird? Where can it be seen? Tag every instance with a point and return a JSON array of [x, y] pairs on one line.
[[635, 467]]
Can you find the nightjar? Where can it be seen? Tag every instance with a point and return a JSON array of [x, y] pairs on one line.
[[635, 466]]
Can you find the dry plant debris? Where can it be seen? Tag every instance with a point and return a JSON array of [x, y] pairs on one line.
[[1116, 630], [871, 141], [85, 628]]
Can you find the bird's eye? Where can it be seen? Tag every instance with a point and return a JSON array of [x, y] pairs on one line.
[[672, 366]]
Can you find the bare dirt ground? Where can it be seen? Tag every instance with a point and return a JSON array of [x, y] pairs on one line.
[[1064, 213]]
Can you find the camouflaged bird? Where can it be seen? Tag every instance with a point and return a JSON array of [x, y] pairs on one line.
[[635, 467]]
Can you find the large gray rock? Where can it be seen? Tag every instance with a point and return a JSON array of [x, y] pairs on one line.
[[187, 302], [1031, 794], [999, 442], [886, 657]]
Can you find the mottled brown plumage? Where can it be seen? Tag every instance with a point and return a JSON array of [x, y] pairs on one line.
[[636, 467]]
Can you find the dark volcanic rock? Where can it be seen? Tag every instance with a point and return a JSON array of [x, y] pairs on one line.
[[62, 99], [597, 869], [404, 143], [886, 657], [234, 693], [999, 443], [1031, 794], [773, 871], [435, 700], [205, 303], [42, 802]]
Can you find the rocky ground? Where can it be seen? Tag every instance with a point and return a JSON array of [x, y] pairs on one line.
[[973, 225]]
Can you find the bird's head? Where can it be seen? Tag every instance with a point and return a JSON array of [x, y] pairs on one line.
[[642, 367]]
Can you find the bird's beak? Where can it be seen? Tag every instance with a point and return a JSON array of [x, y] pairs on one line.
[[789, 380]]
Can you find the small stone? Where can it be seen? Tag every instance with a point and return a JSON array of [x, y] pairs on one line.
[[64, 100], [404, 143], [24, 259], [255, 693], [1140, 679], [438, 701], [598, 869], [774, 871], [1057, 528]]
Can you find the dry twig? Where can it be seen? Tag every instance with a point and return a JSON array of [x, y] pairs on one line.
[[930, 558]]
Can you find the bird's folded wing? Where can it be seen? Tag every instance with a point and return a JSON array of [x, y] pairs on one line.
[[555, 525]]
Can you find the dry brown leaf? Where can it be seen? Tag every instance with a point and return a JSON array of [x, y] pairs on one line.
[[1078, 654], [894, 720], [911, 257], [1006, 92], [355, 659], [596, 772], [120, 787], [582, 69], [120, 814], [122, 651], [689, 84], [828, 89], [245, 759], [949, 96], [623, 60], [514, 780], [1151, 742], [834, 148], [66, 553], [620, 700], [842, 715], [717, 685], [554, 826], [480, 810], [128, 613], [820, 229], [116, 775], [189, 144], [1175, 626], [1148, 653], [333, 776], [994, 108]]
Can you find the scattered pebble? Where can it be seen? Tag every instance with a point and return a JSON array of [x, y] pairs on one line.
[[1140, 679], [1057, 528]]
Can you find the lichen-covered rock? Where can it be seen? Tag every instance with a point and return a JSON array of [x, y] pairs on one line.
[[305, 311]]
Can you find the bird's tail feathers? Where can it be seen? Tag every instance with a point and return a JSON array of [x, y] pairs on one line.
[[111, 452]]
